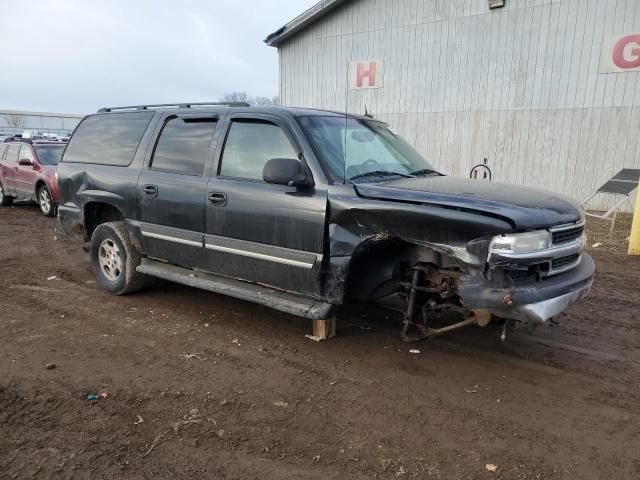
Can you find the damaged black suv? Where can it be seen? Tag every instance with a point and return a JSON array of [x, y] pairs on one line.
[[304, 210]]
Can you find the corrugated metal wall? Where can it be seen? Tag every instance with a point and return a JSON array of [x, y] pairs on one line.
[[12, 121], [519, 85]]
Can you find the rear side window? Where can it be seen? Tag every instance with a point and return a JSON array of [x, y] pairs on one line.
[[183, 145], [108, 139], [12, 153]]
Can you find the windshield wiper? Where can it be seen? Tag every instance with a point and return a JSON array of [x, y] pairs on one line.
[[379, 173], [425, 171]]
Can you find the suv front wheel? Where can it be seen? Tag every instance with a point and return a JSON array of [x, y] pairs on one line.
[[114, 259]]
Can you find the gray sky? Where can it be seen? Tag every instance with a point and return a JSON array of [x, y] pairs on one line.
[[78, 55]]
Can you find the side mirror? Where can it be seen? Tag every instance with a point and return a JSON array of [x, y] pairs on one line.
[[285, 171], [25, 162]]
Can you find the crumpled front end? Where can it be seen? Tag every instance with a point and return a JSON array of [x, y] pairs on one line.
[[426, 260], [532, 285]]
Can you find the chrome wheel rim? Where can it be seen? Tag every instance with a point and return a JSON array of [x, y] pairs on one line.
[[45, 200], [110, 259]]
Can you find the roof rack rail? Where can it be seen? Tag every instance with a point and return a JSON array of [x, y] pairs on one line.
[[175, 105]]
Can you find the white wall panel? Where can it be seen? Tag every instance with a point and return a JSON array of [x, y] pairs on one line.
[[519, 85]]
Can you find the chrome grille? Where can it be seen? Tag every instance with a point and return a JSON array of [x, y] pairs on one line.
[[567, 234]]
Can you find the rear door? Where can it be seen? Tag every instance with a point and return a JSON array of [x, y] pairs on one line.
[[172, 187], [9, 167], [24, 175], [256, 231]]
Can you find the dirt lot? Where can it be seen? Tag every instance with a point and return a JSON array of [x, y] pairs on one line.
[[203, 386]]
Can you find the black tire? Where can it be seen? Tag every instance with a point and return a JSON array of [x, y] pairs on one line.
[[5, 201], [114, 259], [45, 202]]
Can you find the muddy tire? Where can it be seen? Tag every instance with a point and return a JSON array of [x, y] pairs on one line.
[[5, 201], [45, 202], [114, 259]]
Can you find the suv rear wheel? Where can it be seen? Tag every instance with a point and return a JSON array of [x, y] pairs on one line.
[[45, 202], [114, 259], [4, 200]]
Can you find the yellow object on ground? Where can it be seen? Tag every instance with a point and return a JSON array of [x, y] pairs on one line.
[[634, 239]]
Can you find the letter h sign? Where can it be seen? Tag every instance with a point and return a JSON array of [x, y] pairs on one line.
[[366, 74]]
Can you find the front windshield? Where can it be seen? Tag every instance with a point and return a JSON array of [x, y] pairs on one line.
[[49, 155], [354, 149]]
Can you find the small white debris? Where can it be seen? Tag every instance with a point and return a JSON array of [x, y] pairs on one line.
[[53, 277], [139, 420], [491, 467], [280, 404], [313, 337], [414, 351], [206, 324], [236, 341], [596, 245], [472, 390]]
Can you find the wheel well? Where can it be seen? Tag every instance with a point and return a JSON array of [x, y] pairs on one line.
[[374, 264], [39, 183], [377, 266], [95, 214]]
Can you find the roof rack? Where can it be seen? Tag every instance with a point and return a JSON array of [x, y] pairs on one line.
[[175, 105]]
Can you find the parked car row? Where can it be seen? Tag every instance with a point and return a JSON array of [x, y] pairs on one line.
[[28, 171]]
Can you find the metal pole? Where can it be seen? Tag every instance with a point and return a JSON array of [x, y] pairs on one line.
[[634, 239]]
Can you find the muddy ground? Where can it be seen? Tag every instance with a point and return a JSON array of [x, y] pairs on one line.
[[203, 386]]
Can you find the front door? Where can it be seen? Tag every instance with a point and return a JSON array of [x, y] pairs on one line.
[[172, 187], [25, 175], [256, 231]]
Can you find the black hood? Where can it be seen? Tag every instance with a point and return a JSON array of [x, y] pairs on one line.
[[524, 208]]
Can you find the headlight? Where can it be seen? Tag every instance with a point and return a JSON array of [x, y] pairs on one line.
[[521, 242]]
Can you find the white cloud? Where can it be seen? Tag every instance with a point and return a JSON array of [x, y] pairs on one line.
[[79, 55]]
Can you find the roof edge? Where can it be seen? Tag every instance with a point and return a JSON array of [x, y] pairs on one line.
[[302, 21], [28, 113]]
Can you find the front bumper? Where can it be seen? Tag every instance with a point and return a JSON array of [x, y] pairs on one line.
[[530, 300]]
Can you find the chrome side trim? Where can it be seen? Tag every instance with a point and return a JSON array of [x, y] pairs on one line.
[[171, 239], [261, 251], [260, 256]]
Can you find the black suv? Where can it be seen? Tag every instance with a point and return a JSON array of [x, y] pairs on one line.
[[303, 210]]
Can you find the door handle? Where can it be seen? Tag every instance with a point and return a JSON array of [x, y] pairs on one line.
[[150, 190], [217, 199]]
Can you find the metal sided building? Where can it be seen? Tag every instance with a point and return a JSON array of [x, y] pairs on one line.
[[12, 121], [547, 90]]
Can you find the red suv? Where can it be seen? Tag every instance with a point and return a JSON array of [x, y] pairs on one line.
[[29, 171]]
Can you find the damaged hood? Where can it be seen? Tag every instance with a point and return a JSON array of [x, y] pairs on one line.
[[525, 208]]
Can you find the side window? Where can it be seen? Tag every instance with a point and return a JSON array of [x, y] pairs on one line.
[[3, 149], [250, 145], [12, 153], [183, 145], [26, 153], [108, 139]]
